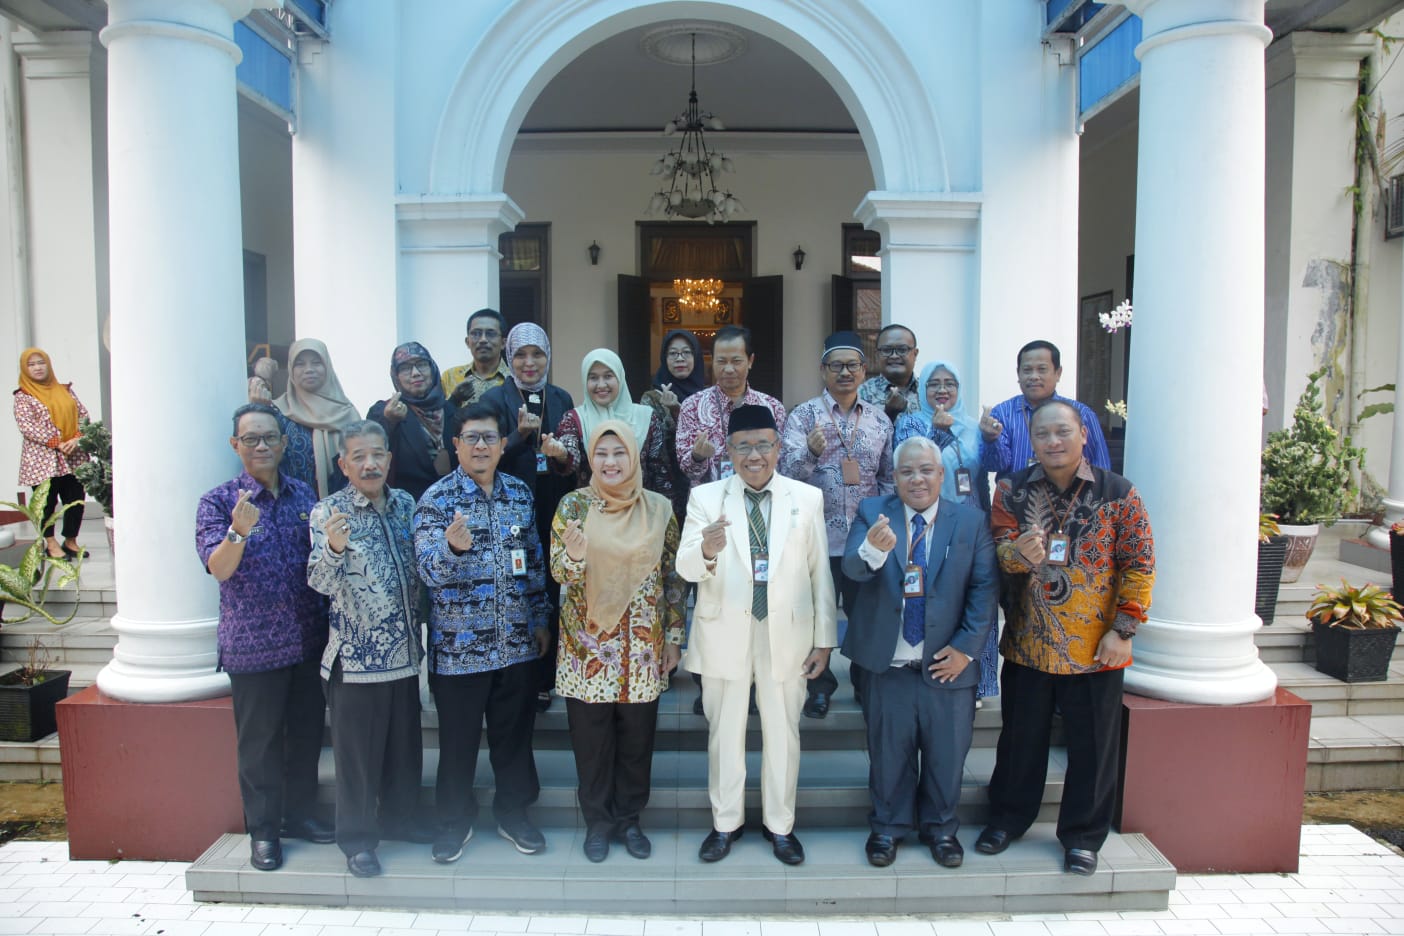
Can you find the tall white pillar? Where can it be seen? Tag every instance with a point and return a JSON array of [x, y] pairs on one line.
[[1394, 500], [177, 329], [1196, 376], [449, 265], [931, 270]]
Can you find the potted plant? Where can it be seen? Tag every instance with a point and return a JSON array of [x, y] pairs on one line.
[[28, 584], [28, 696], [1306, 476], [1272, 550], [1355, 627], [95, 474]]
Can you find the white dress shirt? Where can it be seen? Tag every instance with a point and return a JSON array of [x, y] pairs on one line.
[[874, 557]]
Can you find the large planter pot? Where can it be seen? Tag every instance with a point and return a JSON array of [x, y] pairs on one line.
[[1352, 655], [1301, 540], [27, 712], [1270, 558]]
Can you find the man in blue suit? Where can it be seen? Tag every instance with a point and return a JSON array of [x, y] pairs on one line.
[[926, 601]]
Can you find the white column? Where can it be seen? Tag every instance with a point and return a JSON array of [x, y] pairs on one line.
[[1394, 500], [1192, 437], [930, 270], [177, 329], [449, 265]]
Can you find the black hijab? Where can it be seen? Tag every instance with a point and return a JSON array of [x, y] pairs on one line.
[[694, 381]]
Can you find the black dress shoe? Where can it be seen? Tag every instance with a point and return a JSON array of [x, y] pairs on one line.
[[717, 845], [992, 841], [881, 849], [817, 705], [266, 854], [946, 851], [786, 847], [311, 829], [596, 845], [635, 842], [363, 864], [1080, 861]]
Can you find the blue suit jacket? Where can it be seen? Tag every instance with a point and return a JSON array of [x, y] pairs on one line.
[[962, 587]]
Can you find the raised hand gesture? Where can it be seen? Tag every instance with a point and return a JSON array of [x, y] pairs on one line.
[[1032, 546], [942, 419], [459, 537], [395, 409], [881, 536], [714, 538], [553, 447], [990, 427], [527, 421], [337, 526], [667, 397], [816, 441], [573, 538], [702, 448]]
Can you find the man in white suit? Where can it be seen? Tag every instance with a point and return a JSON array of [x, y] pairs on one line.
[[756, 546]]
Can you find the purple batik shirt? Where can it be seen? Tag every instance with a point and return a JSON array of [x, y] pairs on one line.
[[268, 616]]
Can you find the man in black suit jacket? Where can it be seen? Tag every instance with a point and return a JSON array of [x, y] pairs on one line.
[[928, 585]]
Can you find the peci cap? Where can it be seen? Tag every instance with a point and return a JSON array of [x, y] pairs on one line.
[[843, 341], [751, 416]]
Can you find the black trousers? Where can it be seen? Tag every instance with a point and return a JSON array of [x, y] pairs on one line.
[[67, 488], [847, 590], [507, 699], [379, 758], [278, 726], [1091, 707], [613, 744]]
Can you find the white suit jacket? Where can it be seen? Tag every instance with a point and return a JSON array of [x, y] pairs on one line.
[[801, 614]]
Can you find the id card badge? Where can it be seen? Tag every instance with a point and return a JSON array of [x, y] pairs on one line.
[[911, 581], [541, 467], [725, 469], [519, 568], [964, 484], [1058, 547], [760, 568], [849, 465]]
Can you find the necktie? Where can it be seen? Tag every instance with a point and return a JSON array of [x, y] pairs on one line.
[[755, 524], [914, 609]]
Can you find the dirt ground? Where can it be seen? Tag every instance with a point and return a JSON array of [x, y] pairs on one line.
[[34, 812]]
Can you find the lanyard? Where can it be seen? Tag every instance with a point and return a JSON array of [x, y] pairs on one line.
[[1071, 502], [838, 428]]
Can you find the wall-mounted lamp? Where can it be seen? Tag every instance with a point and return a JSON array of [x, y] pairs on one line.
[[799, 258], [594, 249]]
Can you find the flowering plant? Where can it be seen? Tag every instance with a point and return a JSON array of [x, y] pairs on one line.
[[1306, 467], [1355, 607], [1397, 527], [1117, 409], [1117, 318]]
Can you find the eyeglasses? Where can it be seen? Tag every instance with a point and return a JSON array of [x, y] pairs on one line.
[[760, 448], [486, 438], [942, 385], [268, 439], [424, 367], [896, 350], [838, 367], [485, 334], [680, 355]]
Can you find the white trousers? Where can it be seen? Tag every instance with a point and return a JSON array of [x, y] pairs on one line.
[[726, 703]]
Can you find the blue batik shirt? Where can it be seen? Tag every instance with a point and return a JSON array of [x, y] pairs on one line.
[[1013, 450], [481, 615]]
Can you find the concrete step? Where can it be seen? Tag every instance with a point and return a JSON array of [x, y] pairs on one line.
[[833, 787], [834, 880], [1330, 698]]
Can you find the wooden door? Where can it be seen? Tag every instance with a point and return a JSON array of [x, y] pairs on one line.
[[635, 317]]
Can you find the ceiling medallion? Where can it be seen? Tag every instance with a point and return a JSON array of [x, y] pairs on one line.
[[672, 44]]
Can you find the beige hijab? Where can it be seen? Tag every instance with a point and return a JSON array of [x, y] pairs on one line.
[[323, 412], [624, 538]]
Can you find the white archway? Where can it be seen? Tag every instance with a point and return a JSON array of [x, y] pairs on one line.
[[533, 40]]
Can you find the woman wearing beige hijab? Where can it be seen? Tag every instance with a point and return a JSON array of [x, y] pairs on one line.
[[612, 549], [316, 408]]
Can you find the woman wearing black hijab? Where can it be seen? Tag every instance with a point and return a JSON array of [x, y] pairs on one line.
[[680, 375], [416, 420]]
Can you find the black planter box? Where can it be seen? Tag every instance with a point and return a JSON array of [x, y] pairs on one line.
[[1271, 555], [1354, 655], [1396, 562], [27, 712]]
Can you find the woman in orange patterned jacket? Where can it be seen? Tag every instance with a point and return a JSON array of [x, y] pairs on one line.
[[47, 413]]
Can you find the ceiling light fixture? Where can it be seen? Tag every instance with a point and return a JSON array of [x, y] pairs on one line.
[[698, 295], [692, 190]]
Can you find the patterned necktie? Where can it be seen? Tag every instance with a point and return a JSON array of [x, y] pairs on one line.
[[914, 609], [760, 602]]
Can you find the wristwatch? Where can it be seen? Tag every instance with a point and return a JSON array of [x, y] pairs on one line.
[[234, 536]]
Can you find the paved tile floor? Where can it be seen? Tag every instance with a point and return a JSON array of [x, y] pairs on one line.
[[1347, 884]]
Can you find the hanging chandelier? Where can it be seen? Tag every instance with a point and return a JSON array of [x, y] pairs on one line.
[[691, 169], [698, 295]]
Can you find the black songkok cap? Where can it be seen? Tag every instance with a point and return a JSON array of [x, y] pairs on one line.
[[746, 418], [841, 341]]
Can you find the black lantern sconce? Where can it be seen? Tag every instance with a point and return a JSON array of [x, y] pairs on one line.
[[799, 258], [594, 249]]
